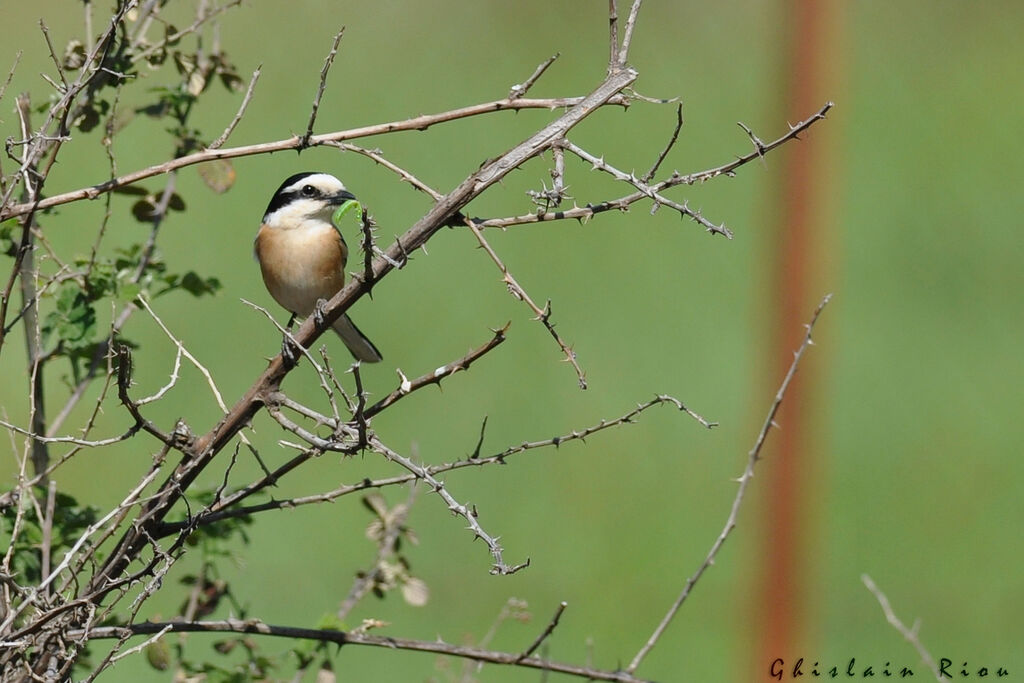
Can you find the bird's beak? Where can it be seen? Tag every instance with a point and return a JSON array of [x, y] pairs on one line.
[[341, 197]]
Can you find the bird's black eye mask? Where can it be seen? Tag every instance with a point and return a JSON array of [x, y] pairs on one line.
[[282, 198]]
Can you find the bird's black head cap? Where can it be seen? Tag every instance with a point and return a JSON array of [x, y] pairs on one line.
[[281, 197]]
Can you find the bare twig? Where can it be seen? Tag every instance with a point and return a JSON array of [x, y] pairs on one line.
[[519, 89], [10, 74], [201, 19], [416, 123], [47, 539], [42, 438], [53, 55], [328, 61], [546, 632], [759, 146], [613, 34], [748, 473], [910, 634], [184, 351], [219, 142], [683, 209], [378, 157], [407, 386], [465, 511], [584, 213], [517, 292], [256, 627], [627, 34], [222, 511], [671, 143]]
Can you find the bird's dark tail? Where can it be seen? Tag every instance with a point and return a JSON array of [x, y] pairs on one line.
[[361, 347]]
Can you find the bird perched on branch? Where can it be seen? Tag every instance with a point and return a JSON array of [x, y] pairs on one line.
[[302, 253]]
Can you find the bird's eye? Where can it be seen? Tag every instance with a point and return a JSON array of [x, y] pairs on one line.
[[308, 191]]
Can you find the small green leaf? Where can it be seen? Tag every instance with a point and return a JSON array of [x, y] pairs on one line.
[[330, 622], [128, 292], [198, 286], [74, 321], [8, 245], [144, 210], [158, 655], [175, 202], [87, 118]]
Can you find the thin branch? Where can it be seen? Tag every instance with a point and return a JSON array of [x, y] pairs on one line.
[[728, 169], [287, 334], [219, 142], [627, 34], [577, 435], [421, 122], [467, 512], [558, 175], [910, 634], [328, 61], [758, 143], [379, 158], [613, 34], [53, 56], [181, 348], [222, 511], [647, 190], [752, 457], [584, 213], [141, 646], [546, 632], [10, 74], [46, 544], [439, 647], [173, 38], [124, 380], [42, 438], [517, 292], [671, 143], [406, 386], [519, 89]]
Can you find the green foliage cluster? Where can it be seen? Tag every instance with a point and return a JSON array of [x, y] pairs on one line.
[[70, 520]]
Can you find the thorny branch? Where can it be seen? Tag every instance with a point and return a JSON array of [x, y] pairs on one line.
[[748, 473], [517, 292], [622, 203], [225, 508], [328, 61], [256, 627], [417, 123], [910, 634]]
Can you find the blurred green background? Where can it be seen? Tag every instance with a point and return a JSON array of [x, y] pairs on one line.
[[913, 388]]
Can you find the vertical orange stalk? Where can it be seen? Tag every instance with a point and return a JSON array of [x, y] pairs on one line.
[[803, 187]]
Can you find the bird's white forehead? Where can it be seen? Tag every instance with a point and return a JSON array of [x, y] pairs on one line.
[[323, 181]]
